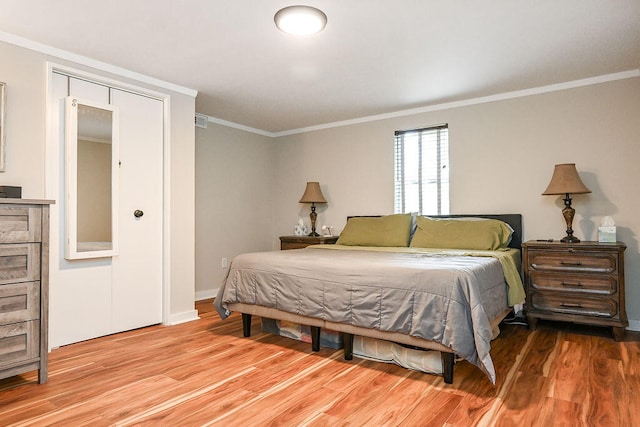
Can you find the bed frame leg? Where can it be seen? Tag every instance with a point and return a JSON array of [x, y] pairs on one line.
[[315, 338], [246, 324], [348, 346], [447, 366]]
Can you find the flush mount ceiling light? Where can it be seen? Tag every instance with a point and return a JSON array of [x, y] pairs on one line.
[[300, 20]]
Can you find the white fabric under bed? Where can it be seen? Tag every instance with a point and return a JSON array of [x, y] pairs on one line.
[[428, 361]]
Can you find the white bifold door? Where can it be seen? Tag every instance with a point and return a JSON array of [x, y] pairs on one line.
[[100, 296]]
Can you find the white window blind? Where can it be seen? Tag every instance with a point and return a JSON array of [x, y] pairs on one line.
[[422, 171]]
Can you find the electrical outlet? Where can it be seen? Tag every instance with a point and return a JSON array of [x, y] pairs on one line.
[[225, 264]]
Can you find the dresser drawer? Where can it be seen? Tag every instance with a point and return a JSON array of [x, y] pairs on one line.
[[19, 263], [580, 283], [579, 262], [569, 304], [19, 342], [19, 302], [20, 223]]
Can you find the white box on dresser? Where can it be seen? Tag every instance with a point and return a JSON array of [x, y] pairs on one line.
[[24, 286]]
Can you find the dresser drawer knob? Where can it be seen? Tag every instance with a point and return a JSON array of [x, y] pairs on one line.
[[572, 285], [570, 305], [577, 264]]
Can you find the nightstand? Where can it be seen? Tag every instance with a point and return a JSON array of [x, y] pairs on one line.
[[298, 242], [576, 282]]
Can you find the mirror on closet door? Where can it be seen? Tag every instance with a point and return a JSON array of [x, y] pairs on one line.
[[91, 179]]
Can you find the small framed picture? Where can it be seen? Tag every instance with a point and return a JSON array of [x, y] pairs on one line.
[[3, 122]]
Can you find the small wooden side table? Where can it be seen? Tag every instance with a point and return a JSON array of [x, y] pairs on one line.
[[576, 282], [299, 242]]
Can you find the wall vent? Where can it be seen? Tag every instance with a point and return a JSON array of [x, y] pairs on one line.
[[202, 120]]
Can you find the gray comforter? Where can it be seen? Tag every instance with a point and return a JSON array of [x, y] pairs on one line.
[[449, 299]]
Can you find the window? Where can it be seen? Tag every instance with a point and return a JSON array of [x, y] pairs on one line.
[[422, 171]]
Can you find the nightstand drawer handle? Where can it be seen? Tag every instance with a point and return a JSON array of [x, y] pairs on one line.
[[574, 285], [570, 305], [571, 263]]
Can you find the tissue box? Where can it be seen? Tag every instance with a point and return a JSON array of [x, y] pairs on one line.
[[607, 234]]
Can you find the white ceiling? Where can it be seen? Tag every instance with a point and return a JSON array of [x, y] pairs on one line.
[[374, 57]]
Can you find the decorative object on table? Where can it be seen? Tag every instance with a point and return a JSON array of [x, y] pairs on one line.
[[300, 229], [327, 230], [313, 194], [3, 122], [565, 180], [9, 192], [607, 230]]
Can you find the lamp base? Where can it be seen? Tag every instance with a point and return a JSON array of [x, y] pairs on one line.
[[313, 234], [568, 212], [570, 239]]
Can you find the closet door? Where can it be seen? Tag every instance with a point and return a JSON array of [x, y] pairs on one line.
[[80, 291], [137, 271], [101, 296]]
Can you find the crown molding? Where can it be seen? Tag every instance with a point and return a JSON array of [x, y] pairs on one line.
[[102, 66]]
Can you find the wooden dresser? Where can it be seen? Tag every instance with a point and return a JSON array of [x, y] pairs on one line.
[[24, 286], [578, 282], [299, 242]]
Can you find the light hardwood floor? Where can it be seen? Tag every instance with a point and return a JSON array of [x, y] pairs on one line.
[[206, 373]]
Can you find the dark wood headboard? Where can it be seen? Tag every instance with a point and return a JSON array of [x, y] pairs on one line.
[[514, 220]]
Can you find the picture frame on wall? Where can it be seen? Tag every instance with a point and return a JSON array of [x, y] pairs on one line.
[[3, 121]]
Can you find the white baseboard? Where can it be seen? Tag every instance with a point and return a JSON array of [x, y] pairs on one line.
[[634, 325], [206, 294], [187, 316]]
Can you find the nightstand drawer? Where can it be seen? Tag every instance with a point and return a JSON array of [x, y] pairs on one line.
[[580, 283], [292, 245], [568, 304], [569, 261], [19, 302], [299, 242]]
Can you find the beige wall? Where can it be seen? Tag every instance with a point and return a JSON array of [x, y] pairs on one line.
[[25, 73], [502, 157], [234, 193]]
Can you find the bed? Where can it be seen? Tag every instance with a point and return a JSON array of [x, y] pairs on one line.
[[434, 283]]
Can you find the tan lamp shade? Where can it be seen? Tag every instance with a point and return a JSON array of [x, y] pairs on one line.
[[312, 194], [565, 180]]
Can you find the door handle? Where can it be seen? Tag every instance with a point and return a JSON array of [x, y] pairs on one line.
[[138, 213]]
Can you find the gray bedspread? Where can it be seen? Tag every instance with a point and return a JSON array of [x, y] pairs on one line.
[[449, 299]]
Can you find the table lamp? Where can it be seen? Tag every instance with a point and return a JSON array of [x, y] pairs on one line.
[[313, 194], [565, 180]]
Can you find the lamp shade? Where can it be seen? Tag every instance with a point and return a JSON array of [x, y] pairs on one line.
[[312, 194], [565, 180]]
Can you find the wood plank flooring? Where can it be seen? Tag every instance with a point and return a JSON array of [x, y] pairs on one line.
[[204, 373]]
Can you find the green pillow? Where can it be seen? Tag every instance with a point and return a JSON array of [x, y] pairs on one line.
[[470, 233], [389, 230]]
